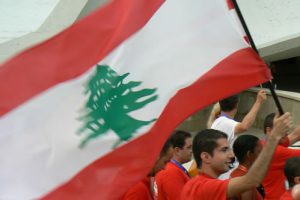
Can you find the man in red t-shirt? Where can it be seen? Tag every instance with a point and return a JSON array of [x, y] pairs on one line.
[[274, 182], [171, 180], [213, 156], [144, 189], [292, 173], [246, 149]]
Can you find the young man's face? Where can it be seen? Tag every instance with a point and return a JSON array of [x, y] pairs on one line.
[[185, 153], [222, 157]]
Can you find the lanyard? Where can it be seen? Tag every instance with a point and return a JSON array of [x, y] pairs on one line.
[[180, 166]]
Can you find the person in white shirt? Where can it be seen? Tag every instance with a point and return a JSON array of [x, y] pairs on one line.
[[226, 123]]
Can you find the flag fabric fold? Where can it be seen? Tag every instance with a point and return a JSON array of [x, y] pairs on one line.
[[84, 114]]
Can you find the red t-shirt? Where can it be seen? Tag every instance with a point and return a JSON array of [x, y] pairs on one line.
[[170, 182], [205, 187], [274, 182], [241, 171], [287, 196], [140, 191]]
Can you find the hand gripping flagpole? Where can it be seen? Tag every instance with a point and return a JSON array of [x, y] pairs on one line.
[[269, 84]]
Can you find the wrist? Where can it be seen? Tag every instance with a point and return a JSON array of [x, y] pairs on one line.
[[259, 101], [274, 138]]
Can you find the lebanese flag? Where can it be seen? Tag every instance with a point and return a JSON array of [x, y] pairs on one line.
[[85, 114]]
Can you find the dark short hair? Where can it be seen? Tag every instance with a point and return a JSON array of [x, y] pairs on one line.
[[292, 169], [229, 103], [206, 141], [178, 138], [165, 148], [243, 144], [268, 123]]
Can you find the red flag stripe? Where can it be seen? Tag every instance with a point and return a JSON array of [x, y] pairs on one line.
[[247, 39], [56, 60], [230, 4], [110, 177]]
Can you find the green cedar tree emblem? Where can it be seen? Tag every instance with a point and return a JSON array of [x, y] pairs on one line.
[[109, 103]]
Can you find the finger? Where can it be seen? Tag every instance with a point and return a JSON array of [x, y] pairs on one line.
[[276, 115]]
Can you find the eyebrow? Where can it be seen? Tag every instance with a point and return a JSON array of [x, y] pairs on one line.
[[225, 148]]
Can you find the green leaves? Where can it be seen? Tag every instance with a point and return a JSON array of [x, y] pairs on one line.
[[109, 104]]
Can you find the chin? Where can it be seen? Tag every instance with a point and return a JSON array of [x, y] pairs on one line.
[[223, 171], [226, 169]]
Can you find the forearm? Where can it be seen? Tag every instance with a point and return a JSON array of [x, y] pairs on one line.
[[249, 195], [250, 117]]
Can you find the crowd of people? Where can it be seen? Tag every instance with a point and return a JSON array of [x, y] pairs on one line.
[[226, 163]]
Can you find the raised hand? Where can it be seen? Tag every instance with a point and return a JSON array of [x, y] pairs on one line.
[[261, 96], [282, 126]]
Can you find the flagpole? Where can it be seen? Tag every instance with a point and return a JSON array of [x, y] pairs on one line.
[[269, 84]]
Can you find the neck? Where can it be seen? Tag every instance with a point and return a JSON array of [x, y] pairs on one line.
[[209, 171], [177, 159], [230, 114]]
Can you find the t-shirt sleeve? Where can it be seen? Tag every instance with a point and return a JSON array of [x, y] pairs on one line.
[[289, 152]]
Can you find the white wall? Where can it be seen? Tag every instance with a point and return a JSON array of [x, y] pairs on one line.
[[25, 23], [22, 17], [274, 26]]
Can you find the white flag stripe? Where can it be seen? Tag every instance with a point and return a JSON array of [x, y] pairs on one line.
[[46, 145], [237, 23], [193, 52]]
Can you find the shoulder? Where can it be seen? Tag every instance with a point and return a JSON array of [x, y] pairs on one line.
[[170, 171], [206, 187], [236, 173], [223, 121], [138, 191], [286, 196]]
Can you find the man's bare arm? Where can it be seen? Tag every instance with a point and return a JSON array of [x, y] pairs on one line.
[[249, 195], [250, 117]]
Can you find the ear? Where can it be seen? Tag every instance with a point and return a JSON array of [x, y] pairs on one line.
[[268, 130], [205, 157], [176, 150], [249, 155], [297, 180]]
